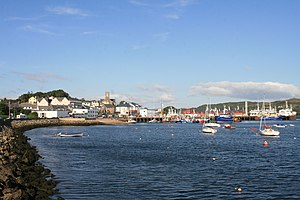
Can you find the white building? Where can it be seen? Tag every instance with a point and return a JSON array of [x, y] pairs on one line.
[[128, 109], [52, 114], [144, 112], [85, 113]]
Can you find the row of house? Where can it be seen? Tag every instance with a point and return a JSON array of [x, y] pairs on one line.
[[58, 107]]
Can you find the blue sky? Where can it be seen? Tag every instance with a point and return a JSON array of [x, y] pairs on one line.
[[176, 52]]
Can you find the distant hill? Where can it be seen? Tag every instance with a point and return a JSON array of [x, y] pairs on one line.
[[295, 102], [54, 93]]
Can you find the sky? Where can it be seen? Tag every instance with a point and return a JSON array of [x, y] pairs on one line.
[[184, 53]]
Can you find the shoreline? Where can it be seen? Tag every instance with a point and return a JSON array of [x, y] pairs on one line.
[[22, 175]]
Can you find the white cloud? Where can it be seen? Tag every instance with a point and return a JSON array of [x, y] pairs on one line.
[[138, 47], [64, 10], [173, 16], [138, 2], [180, 3], [40, 77], [15, 18], [38, 29], [155, 88], [162, 36], [246, 90]]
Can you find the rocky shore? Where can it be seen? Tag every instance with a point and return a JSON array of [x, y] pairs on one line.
[[22, 175]]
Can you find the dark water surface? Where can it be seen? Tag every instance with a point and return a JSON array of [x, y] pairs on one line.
[[172, 161]]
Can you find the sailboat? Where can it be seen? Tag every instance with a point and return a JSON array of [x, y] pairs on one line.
[[207, 128], [267, 131]]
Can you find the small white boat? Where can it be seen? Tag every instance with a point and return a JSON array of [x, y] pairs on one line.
[[207, 129], [279, 125], [212, 124], [131, 121], [69, 134], [269, 132], [153, 121]]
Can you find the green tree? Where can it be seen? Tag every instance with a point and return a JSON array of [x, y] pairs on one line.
[[32, 115], [3, 108]]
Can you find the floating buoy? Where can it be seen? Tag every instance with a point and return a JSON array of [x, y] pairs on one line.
[[265, 143], [238, 189]]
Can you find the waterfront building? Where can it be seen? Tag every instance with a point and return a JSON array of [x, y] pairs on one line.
[[52, 114]]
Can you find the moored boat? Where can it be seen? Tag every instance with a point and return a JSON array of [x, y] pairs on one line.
[[224, 118], [69, 134], [280, 125], [267, 131], [207, 129]]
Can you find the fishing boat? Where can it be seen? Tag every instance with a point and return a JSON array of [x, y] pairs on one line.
[[224, 118], [267, 131], [69, 134]]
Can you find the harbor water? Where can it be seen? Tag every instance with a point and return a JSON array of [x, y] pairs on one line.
[[172, 161]]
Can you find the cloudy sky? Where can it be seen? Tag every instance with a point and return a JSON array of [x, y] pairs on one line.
[[176, 52]]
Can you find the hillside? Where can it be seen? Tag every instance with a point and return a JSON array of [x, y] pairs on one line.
[[295, 102]]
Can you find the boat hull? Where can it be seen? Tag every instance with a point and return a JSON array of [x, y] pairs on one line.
[[269, 132], [221, 119], [208, 130]]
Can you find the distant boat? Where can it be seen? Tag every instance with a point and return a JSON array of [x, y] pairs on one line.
[[270, 118], [224, 118], [229, 126], [267, 131], [279, 125], [207, 129], [212, 124], [131, 121], [153, 121], [69, 134]]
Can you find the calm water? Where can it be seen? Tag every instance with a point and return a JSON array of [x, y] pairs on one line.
[[172, 161]]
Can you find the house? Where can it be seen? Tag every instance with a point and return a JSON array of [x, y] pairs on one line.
[[27, 106], [32, 100], [52, 113], [108, 109], [43, 101], [75, 103], [85, 113], [125, 109], [145, 112], [61, 101]]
